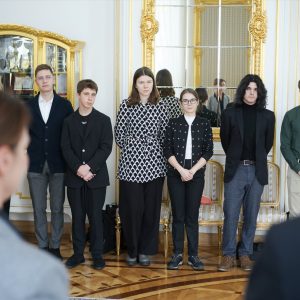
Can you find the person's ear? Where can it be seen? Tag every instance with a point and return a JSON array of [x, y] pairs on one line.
[[5, 159]]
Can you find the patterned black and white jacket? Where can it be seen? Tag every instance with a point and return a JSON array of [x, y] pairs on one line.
[[176, 137], [139, 132], [173, 106]]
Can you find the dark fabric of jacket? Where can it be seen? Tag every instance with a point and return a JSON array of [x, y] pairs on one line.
[[176, 137], [93, 148], [45, 138], [232, 134], [276, 273]]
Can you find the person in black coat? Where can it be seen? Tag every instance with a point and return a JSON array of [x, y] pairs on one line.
[[276, 273], [188, 146], [247, 132], [47, 166], [86, 144]]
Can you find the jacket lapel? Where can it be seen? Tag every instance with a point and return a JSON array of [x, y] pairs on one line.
[[53, 107], [37, 107], [89, 125], [78, 124], [240, 120]]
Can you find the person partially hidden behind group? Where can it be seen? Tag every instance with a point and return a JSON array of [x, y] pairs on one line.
[[164, 84], [26, 272], [202, 110], [247, 132], [139, 133], [47, 166], [219, 100], [86, 144], [188, 146]]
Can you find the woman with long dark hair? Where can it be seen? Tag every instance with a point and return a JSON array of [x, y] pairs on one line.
[[139, 133], [164, 84]]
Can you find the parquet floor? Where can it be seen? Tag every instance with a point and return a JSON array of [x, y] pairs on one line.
[[118, 281]]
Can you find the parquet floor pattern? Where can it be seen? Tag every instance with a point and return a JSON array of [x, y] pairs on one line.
[[118, 281]]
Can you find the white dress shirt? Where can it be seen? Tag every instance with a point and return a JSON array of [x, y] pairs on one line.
[[188, 149], [45, 107]]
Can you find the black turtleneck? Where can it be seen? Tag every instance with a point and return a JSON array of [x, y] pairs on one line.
[[249, 116]]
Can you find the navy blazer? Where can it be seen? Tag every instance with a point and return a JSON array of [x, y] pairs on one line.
[[45, 138], [176, 137], [232, 135], [93, 148]]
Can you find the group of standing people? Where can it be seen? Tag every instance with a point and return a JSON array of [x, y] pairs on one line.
[[158, 135]]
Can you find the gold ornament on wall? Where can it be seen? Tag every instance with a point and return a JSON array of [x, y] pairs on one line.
[[149, 28]]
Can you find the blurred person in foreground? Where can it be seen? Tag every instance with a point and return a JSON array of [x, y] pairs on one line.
[[25, 270]]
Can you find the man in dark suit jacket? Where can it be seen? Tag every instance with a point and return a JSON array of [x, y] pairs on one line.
[[86, 144], [247, 132], [47, 166], [276, 273]]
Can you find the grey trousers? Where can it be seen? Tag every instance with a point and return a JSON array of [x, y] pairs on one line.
[[38, 184]]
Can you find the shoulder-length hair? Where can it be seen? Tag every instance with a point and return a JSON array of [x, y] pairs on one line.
[[134, 97], [261, 101], [194, 93], [164, 78]]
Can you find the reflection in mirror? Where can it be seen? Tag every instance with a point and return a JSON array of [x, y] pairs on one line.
[[203, 40]]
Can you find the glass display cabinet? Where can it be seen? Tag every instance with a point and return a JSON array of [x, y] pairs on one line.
[[22, 48]]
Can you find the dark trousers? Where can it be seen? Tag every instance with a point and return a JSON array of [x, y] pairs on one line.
[[87, 202], [6, 207], [185, 201], [139, 209]]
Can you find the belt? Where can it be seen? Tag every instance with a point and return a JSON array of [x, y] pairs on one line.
[[247, 162]]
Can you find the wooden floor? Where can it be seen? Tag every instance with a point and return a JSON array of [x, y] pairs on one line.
[[118, 281]]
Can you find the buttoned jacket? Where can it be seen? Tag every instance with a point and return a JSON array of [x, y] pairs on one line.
[[45, 137], [92, 148], [176, 138]]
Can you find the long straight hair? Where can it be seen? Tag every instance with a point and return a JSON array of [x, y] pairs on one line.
[[134, 97]]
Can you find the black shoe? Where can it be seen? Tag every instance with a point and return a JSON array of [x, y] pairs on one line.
[[144, 260], [56, 253], [131, 261], [175, 262], [98, 263], [45, 248], [74, 261], [196, 263]]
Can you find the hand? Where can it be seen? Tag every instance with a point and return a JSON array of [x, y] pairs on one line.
[[83, 170], [89, 176], [186, 175]]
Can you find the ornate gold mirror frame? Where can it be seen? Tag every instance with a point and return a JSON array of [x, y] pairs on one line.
[[257, 28]]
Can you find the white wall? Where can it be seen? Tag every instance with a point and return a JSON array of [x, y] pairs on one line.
[[91, 21]]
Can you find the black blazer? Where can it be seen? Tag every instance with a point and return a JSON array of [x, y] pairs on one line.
[[93, 148], [276, 273], [232, 132], [45, 138], [176, 137]]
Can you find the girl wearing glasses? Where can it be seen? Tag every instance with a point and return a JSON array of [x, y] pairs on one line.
[[188, 146]]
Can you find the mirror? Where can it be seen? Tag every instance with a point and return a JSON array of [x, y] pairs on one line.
[[201, 40]]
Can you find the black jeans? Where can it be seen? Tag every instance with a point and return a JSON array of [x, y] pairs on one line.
[[185, 201]]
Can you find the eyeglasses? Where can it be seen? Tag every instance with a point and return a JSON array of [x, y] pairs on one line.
[[189, 101], [41, 78]]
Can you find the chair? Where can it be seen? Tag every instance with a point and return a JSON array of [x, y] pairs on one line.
[[211, 214]]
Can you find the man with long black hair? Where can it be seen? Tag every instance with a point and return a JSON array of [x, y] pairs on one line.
[[247, 133]]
